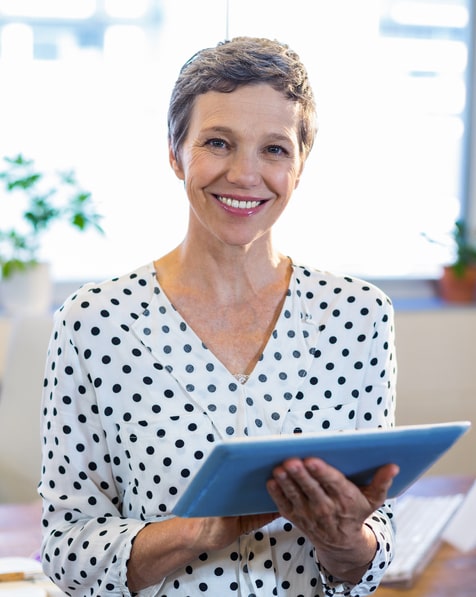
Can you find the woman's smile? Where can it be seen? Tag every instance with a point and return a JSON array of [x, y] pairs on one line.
[[239, 206]]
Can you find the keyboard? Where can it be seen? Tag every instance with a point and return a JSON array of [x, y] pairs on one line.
[[420, 522]]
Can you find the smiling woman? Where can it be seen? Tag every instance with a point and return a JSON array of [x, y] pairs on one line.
[[223, 336]]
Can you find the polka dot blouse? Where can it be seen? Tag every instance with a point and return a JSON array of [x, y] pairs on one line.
[[134, 402]]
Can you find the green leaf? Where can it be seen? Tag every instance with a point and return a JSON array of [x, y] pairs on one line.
[[79, 220], [18, 160], [68, 177], [15, 265], [24, 183]]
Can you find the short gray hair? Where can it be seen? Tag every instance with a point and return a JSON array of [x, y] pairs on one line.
[[235, 63]]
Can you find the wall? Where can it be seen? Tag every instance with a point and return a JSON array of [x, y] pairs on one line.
[[436, 353], [20, 397]]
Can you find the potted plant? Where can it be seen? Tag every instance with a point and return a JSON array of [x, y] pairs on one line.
[[31, 202], [458, 279]]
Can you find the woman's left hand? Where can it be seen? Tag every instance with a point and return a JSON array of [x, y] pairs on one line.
[[331, 511]]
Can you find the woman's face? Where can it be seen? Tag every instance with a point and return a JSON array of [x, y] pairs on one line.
[[240, 162]]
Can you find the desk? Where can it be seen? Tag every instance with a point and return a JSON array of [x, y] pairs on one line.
[[20, 536], [450, 573]]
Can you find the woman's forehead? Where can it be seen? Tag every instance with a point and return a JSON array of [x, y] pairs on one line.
[[256, 105]]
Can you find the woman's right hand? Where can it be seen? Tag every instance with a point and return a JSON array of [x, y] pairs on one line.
[[218, 532], [162, 547]]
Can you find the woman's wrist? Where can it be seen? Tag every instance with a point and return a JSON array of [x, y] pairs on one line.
[[160, 548], [349, 565]]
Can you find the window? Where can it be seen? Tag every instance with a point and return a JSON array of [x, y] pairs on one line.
[[88, 83]]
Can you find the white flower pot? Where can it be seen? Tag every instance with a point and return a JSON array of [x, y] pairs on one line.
[[28, 292]]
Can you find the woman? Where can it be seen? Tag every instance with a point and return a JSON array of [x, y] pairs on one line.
[[222, 337]]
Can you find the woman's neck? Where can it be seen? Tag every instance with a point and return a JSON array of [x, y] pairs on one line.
[[235, 274]]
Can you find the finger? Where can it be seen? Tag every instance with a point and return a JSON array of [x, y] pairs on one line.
[[285, 482], [278, 496], [331, 480], [303, 480], [378, 489], [288, 490], [334, 482]]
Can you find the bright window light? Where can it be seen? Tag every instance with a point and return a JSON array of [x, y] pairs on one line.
[[126, 9], [435, 55], [430, 14], [66, 9], [17, 43], [124, 43]]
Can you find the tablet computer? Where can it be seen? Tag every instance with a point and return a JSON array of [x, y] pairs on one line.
[[232, 480]]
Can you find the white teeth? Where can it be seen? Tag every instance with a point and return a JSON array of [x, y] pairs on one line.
[[238, 204]]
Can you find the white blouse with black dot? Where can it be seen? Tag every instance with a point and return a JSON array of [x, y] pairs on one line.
[[134, 401]]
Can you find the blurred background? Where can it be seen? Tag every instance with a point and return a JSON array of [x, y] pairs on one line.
[[86, 84]]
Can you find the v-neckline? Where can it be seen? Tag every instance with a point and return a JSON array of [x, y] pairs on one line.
[[249, 371]]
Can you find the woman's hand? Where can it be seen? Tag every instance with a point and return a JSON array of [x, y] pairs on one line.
[[217, 532], [331, 511], [162, 547]]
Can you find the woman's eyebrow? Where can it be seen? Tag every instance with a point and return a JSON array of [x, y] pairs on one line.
[[272, 136], [217, 129]]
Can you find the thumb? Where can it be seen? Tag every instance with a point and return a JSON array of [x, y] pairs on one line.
[[376, 492]]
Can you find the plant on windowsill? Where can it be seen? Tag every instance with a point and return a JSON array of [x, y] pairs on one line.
[[31, 202], [458, 279]]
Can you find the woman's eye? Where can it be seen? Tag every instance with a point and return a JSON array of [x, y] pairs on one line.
[[276, 150], [216, 143]]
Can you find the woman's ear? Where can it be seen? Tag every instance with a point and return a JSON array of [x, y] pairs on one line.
[[175, 163]]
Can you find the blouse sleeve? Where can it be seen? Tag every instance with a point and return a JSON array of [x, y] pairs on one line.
[[86, 540], [376, 409], [378, 397], [380, 523]]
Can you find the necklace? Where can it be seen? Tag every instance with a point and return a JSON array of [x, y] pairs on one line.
[[241, 377]]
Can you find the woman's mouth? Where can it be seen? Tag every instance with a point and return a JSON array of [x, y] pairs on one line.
[[238, 203]]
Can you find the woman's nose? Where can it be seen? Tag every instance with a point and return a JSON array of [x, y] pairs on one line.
[[243, 169]]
